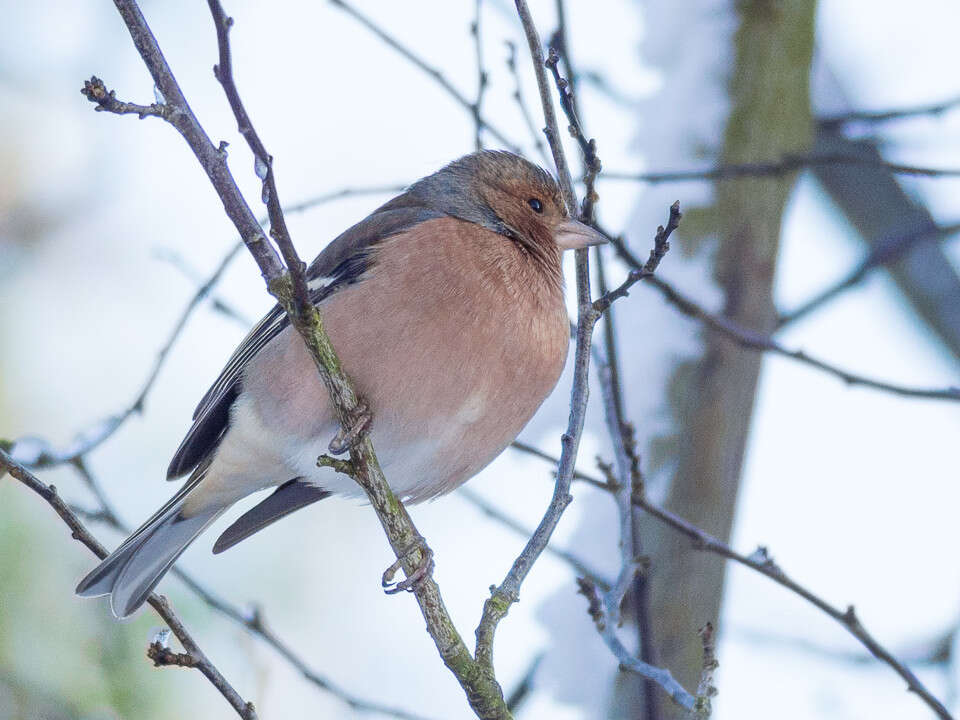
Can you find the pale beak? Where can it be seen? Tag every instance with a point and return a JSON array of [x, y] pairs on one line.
[[574, 235]]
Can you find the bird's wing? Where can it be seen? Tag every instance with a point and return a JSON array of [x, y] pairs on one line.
[[287, 498], [342, 262]]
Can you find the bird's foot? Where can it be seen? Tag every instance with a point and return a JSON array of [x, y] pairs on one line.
[[423, 571], [348, 437]]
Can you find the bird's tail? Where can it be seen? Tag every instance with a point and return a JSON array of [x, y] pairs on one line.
[[131, 572]]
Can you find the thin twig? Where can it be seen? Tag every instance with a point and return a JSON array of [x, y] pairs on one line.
[[494, 513], [875, 117], [753, 340], [621, 437], [786, 165], [41, 455], [607, 365], [885, 252], [661, 244], [522, 103], [606, 624], [96, 92], [254, 623], [530, 449], [263, 160], [159, 603], [482, 78], [507, 593], [430, 70], [588, 148], [343, 193], [761, 561], [706, 689]]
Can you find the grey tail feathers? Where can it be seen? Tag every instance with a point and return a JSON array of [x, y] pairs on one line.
[[131, 572]]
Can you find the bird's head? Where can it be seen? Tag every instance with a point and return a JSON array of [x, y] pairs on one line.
[[509, 195]]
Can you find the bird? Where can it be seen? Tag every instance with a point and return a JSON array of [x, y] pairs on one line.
[[446, 308]]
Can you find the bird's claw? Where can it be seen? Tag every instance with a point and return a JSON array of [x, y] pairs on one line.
[[423, 571], [347, 437]]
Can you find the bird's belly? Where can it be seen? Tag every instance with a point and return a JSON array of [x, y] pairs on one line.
[[423, 457], [448, 386]]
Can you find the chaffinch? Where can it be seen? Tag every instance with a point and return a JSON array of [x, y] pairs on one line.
[[446, 308]]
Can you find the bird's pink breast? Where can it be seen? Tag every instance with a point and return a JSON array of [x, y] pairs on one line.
[[451, 340]]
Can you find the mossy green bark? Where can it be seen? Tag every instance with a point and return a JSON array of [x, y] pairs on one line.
[[770, 117]]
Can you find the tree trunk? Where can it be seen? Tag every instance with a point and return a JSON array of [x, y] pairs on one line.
[[770, 116]]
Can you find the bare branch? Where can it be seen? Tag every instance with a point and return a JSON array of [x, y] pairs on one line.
[[875, 117], [106, 101], [706, 688], [753, 340], [885, 252], [341, 194], [482, 78], [627, 464], [531, 450], [494, 513], [507, 593], [608, 372], [37, 454], [430, 70], [254, 623], [661, 244], [606, 625], [159, 603], [522, 103], [263, 161], [786, 165], [588, 148], [761, 561]]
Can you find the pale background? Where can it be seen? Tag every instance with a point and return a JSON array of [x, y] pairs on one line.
[[854, 491]]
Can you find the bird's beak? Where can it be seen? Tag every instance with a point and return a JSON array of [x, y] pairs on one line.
[[574, 235]]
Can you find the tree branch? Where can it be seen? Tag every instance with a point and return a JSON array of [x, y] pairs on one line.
[[522, 103], [482, 78], [875, 117], [254, 623], [753, 340], [761, 561], [507, 593], [885, 252], [159, 603], [37, 454], [430, 70], [786, 165]]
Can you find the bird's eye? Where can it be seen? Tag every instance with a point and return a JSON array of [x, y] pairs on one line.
[[535, 204]]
